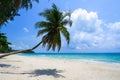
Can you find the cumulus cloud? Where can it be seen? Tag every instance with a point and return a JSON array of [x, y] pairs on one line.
[[89, 32], [114, 27], [26, 29], [85, 21]]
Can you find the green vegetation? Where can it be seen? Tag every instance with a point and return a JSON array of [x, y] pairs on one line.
[[4, 44], [51, 29], [9, 9]]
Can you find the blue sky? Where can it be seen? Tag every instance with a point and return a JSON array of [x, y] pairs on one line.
[[96, 26]]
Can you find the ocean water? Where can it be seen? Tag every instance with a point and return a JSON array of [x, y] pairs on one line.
[[101, 57]]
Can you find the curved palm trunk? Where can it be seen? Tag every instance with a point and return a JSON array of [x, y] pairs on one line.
[[20, 51]]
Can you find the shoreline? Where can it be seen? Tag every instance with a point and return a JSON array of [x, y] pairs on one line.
[[17, 67], [71, 59]]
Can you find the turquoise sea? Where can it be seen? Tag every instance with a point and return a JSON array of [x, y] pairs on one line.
[[101, 57]]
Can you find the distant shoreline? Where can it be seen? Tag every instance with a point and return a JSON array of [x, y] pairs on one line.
[[107, 58]]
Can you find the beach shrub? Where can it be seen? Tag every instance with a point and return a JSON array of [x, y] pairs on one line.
[[4, 44]]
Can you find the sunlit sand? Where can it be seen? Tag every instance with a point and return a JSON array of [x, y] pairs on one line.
[[17, 67]]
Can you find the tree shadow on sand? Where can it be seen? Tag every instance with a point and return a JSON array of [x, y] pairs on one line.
[[48, 72], [38, 72], [5, 65]]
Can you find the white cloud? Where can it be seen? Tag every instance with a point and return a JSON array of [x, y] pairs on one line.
[[114, 27], [89, 20], [26, 29], [88, 31]]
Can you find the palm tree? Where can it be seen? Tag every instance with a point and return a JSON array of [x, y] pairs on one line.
[[51, 29], [10, 8]]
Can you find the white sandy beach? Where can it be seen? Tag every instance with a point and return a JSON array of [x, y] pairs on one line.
[[17, 67]]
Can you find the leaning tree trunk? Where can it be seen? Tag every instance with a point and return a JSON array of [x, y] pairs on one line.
[[20, 51]]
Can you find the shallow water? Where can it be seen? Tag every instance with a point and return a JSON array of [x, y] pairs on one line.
[[102, 57]]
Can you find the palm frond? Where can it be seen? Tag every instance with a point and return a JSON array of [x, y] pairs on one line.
[[54, 7], [43, 31], [48, 13], [67, 22], [45, 13], [66, 14], [59, 41], [65, 34], [43, 24], [51, 40]]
